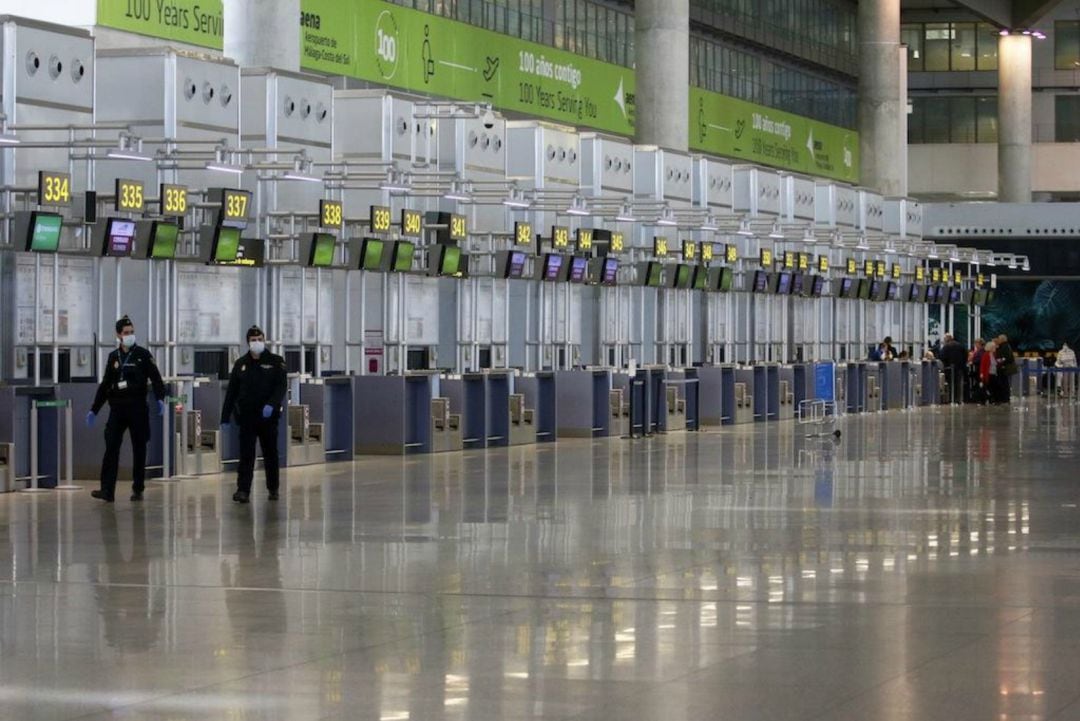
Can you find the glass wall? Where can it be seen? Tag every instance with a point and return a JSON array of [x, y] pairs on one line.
[[584, 27], [943, 47], [822, 31], [953, 119], [1067, 44], [1067, 118]]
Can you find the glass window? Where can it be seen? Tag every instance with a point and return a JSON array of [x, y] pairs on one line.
[[1067, 44], [936, 120], [912, 36], [986, 111], [988, 47], [1067, 118], [963, 46], [962, 119], [937, 44]]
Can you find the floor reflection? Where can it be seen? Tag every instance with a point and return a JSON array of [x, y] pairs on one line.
[[752, 572]]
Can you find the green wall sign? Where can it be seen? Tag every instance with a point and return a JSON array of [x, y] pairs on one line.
[[409, 49], [196, 22], [735, 128]]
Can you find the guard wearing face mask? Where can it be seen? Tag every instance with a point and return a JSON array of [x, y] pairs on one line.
[[254, 400], [128, 371]]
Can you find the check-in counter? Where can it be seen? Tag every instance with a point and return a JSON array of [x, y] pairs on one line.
[[858, 395], [209, 450], [785, 393], [716, 392], [393, 415], [468, 395], [320, 425], [582, 403], [766, 393], [802, 388], [690, 393], [743, 394], [672, 401], [538, 391], [15, 405], [893, 375]]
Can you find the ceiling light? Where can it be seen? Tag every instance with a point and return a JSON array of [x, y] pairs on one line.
[[7, 139], [1004, 33], [458, 196], [296, 175], [221, 167], [666, 221], [744, 229], [515, 203], [125, 154], [576, 211], [777, 233]]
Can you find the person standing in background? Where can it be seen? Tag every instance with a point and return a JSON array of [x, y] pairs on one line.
[[127, 372], [256, 392]]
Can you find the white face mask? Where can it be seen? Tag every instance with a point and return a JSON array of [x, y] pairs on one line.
[[128, 341], [256, 347]]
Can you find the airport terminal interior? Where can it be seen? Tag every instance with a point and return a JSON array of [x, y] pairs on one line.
[[653, 359]]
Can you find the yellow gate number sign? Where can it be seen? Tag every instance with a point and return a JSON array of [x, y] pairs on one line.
[[54, 188]]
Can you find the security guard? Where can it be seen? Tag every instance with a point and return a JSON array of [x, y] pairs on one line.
[[254, 398], [127, 372]]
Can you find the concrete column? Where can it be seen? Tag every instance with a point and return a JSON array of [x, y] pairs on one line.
[[263, 33], [1014, 119], [662, 48], [882, 104]]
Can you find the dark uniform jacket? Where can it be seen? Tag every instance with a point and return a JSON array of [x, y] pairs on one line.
[[127, 373], [953, 355], [254, 383]]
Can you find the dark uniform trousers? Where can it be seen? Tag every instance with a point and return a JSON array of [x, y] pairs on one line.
[[134, 418], [265, 430]]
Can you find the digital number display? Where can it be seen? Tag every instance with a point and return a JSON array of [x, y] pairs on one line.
[[958, 278], [868, 268], [129, 196], [617, 242], [412, 223], [54, 188], [920, 273], [804, 261], [980, 279], [731, 253], [659, 247], [851, 266], [823, 264], [457, 227], [523, 233], [235, 204], [331, 213], [584, 239], [560, 237], [766, 258], [707, 252], [379, 219], [896, 270], [173, 199], [789, 259], [879, 267], [935, 275], [689, 250]]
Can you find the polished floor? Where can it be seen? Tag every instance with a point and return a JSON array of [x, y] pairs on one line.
[[926, 567]]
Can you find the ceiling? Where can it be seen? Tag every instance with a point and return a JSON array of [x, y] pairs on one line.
[[1005, 13]]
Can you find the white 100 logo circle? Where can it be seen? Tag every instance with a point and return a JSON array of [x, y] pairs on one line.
[[386, 32], [387, 47]]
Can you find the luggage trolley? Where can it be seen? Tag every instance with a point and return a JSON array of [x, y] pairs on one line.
[[821, 413]]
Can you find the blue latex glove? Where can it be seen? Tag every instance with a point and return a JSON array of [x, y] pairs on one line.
[[161, 408], [90, 418], [268, 411]]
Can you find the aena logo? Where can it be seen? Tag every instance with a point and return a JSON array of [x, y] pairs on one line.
[[386, 39]]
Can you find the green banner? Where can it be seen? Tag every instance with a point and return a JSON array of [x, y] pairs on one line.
[[735, 128], [409, 49], [195, 22]]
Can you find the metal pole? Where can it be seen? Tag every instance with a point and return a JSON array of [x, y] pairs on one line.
[[56, 319], [69, 466], [33, 488]]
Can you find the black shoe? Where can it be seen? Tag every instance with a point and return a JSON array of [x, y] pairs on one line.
[[136, 496], [100, 495], [272, 496], [241, 497]]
